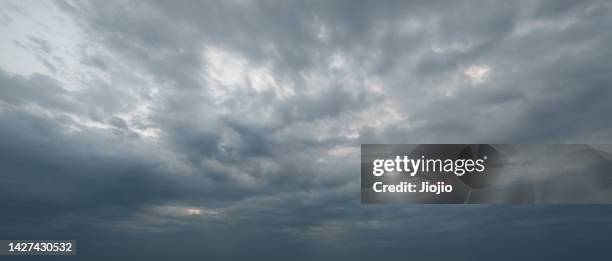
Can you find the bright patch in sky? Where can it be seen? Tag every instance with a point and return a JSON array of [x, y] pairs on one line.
[[477, 73]]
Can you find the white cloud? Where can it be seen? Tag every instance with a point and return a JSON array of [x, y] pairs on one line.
[[477, 74]]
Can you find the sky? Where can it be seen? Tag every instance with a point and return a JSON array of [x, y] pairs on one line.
[[231, 130]]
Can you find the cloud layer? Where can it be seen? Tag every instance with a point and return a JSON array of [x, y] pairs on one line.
[[231, 129]]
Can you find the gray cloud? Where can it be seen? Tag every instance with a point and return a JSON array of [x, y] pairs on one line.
[[231, 129]]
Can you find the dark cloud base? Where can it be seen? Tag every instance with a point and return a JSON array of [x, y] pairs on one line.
[[230, 130]]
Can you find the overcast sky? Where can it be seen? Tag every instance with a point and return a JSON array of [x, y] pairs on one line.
[[218, 130]]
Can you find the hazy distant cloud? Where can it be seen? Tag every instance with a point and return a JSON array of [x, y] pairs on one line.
[[234, 126]]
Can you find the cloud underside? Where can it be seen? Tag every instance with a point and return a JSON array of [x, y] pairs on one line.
[[231, 129]]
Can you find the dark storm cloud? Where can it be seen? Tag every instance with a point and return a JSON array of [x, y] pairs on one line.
[[230, 129], [53, 167]]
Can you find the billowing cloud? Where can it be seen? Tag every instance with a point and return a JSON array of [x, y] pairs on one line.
[[231, 129]]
